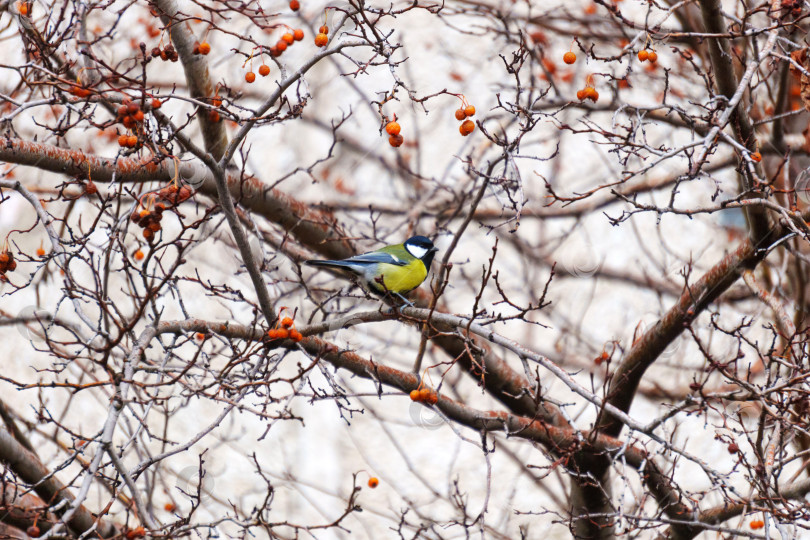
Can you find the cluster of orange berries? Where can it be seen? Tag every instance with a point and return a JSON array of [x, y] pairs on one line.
[[650, 56], [287, 39], [424, 395], [130, 115], [467, 126], [7, 262], [287, 330], [149, 221], [393, 128], [757, 524], [166, 53], [173, 194], [322, 37], [202, 48], [589, 92]]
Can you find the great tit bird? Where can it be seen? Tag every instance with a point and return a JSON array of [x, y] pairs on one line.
[[396, 269]]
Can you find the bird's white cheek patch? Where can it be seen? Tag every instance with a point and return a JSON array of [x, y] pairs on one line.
[[416, 251]]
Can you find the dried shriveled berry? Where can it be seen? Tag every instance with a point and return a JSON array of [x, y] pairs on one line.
[[469, 110], [460, 114], [396, 140]]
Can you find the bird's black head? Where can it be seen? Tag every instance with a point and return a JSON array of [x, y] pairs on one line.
[[422, 248]]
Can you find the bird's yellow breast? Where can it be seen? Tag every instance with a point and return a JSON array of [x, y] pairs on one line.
[[402, 279]]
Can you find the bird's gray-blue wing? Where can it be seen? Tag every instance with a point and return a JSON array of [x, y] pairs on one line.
[[376, 257]]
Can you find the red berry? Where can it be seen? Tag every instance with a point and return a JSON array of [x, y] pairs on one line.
[[298, 34], [395, 140], [323, 29], [460, 114], [156, 103], [281, 46], [295, 5]]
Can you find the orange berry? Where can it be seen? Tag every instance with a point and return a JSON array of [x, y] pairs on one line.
[[396, 140], [373, 482], [122, 140], [323, 29], [250, 76], [286, 322], [22, 9], [128, 122], [132, 141], [272, 333], [414, 395], [205, 47], [392, 128], [433, 399], [213, 116], [590, 9], [32, 531], [591, 93], [756, 157], [138, 116], [281, 46], [132, 107], [424, 394], [469, 110], [321, 40], [288, 38], [264, 70], [295, 5], [40, 252], [757, 524], [156, 103], [652, 56], [643, 55], [296, 336], [137, 532], [200, 336], [298, 34], [460, 114], [569, 57], [139, 255], [282, 333], [169, 507], [467, 127], [581, 94]]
